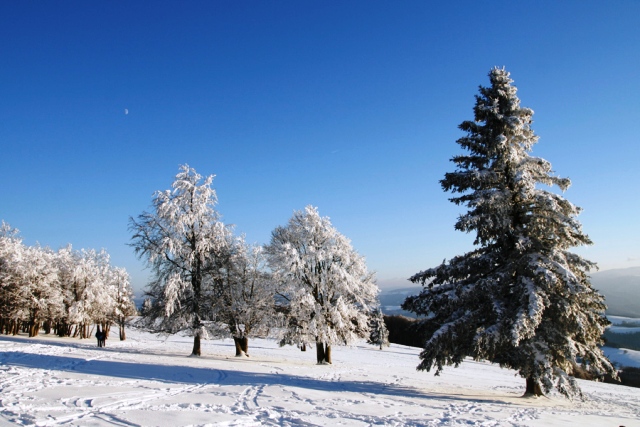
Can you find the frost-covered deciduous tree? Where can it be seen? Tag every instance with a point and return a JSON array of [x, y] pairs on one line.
[[83, 283], [123, 307], [326, 282], [244, 293], [37, 287], [65, 290], [176, 239], [97, 298], [11, 249], [67, 261], [521, 298], [30, 293]]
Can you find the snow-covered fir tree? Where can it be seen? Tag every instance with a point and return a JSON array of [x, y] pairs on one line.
[[521, 298], [325, 281], [379, 334], [175, 240]]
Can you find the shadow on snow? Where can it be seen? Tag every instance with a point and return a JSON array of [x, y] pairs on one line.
[[178, 374]]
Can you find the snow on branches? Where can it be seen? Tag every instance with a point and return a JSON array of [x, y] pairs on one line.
[[520, 299], [324, 281], [205, 280], [64, 291], [176, 239]]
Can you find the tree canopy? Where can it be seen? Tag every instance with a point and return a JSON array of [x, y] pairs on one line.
[[65, 290], [324, 281], [205, 280], [176, 239]]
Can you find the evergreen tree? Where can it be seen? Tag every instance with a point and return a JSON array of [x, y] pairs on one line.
[[379, 334], [521, 298], [325, 281]]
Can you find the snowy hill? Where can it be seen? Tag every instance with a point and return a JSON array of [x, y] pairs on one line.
[[621, 288], [148, 380], [391, 300]]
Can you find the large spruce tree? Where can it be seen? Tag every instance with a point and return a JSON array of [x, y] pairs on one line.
[[521, 298]]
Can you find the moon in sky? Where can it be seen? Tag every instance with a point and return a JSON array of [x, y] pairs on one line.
[[126, 111]]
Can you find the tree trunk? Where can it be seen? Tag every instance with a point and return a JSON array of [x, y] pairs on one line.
[[123, 334], [303, 346], [196, 345], [327, 354], [320, 356], [244, 344], [32, 329], [533, 388], [238, 345]]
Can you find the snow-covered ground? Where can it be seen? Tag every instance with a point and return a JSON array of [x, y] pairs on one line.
[[622, 357], [149, 381]]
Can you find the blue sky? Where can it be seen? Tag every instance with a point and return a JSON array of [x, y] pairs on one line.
[[350, 106]]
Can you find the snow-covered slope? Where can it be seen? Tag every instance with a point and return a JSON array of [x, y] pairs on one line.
[[149, 381]]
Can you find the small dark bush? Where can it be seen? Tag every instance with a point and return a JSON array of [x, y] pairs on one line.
[[629, 377]]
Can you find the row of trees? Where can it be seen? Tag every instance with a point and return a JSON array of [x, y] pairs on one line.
[[308, 282], [64, 291]]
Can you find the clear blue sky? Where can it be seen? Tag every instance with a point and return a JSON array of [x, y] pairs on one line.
[[351, 106]]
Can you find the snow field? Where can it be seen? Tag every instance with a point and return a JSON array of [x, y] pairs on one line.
[[149, 380]]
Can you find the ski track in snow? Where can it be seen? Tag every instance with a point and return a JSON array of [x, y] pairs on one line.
[[148, 381]]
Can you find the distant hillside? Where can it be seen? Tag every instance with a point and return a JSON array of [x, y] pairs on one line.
[[392, 300], [621, 288]]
